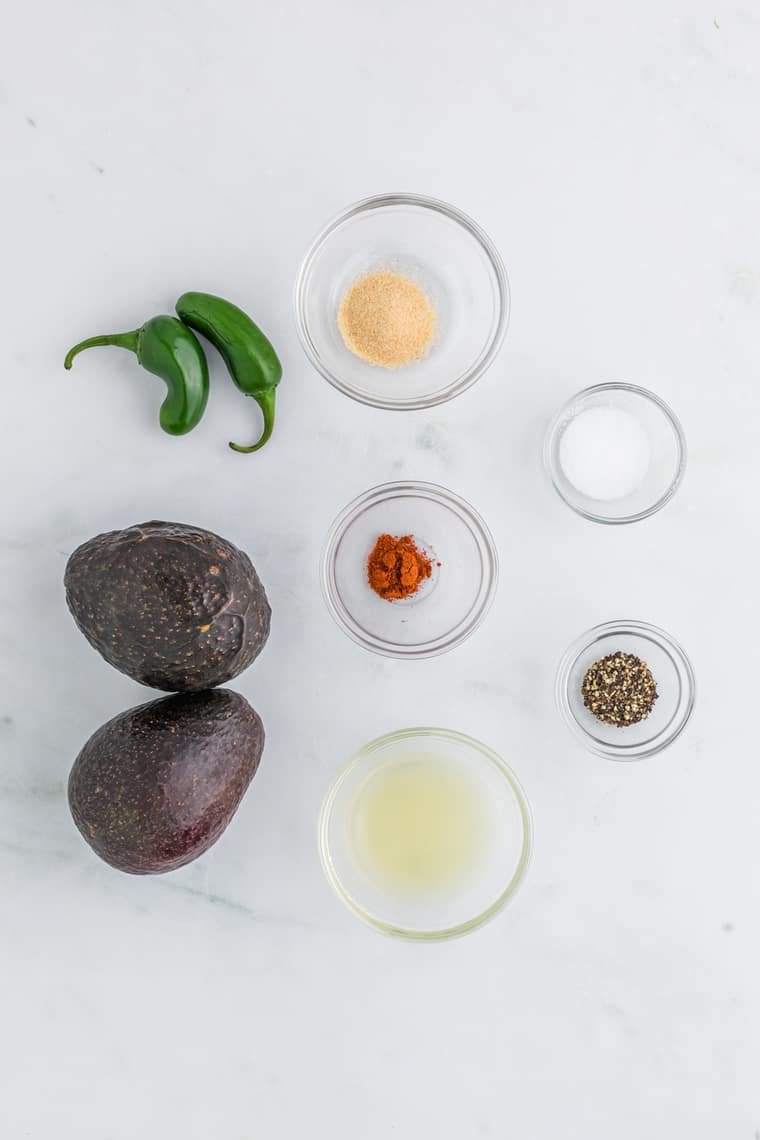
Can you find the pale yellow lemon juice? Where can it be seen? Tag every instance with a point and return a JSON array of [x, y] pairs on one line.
[[425, 833], [420, 822]]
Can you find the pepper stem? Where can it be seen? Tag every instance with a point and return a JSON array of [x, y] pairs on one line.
[[265, 400], [128, 340]]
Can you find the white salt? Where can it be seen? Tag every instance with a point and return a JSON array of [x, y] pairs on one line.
[[604, 452]]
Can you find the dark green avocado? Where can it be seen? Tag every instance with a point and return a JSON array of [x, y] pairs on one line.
[[172, 606], [156, 786]]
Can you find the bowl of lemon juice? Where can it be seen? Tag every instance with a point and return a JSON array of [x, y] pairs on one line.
[[425, 833]]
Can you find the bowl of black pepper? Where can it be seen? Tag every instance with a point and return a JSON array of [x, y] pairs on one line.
[[625, 689]]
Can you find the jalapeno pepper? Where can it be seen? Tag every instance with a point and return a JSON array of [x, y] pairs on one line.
[[165, 347], [250, 358]]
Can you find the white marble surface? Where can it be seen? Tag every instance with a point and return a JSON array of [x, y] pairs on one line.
[[612, 151]]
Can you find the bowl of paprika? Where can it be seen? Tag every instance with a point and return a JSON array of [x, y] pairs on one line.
[[409, 570]]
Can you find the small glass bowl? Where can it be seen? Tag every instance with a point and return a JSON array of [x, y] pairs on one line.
[[673, 676], [453, 262], [448, 607], [667, 453], [473, 898]]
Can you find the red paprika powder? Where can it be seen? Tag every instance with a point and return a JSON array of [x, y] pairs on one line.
[[396, 568]]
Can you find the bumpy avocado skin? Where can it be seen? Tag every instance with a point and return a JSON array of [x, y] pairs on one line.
[[156, 786], [172, 606]]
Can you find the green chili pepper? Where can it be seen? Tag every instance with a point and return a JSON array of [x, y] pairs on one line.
[[250, 358], [165, 347]]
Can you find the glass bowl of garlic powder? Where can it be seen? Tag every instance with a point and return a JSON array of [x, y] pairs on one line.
[[402, 302], [615, 453]]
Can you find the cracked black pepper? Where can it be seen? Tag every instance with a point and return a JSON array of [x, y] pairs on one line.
[[619, 689]]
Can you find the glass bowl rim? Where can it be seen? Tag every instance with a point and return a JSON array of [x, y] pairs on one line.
[[668, 644], [460, 928], [453, 213], [442, 496], [653, 398]]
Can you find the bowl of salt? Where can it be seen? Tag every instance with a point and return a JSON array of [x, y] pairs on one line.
[[615, 453]]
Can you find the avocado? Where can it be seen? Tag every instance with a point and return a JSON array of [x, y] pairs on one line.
[[156, 786], [172, 606]]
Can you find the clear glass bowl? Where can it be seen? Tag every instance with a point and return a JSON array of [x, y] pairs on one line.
[[447, 255], [448, 607], [673, 676], [667, 446], [471, 899]]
